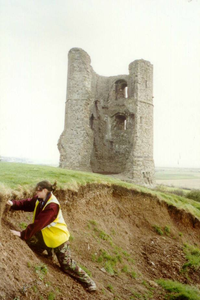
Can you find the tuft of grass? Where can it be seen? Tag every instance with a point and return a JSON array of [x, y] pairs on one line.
[[98, 232], [112, 263], [178, 291], [34, 288], [158, 230], [193, 257], [125, 253], [109, 267], [93, 222], [110, 288], [107, 260], [41, 271], [51, 296], [125, 269], [23, 225], [133, 274], [71, 238], [167, 230]]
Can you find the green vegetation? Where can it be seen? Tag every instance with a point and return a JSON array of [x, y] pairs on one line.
[[166, 230], [98, 232], [34, 288], [71, 238], [178, 291], [194, 195], [14, 175], [158, 230], [110, 288], [139, 296], [23, 177], [41, 271], [51, 296], [115, 259], [171, 190], [125, 269], [108, 260], [92, 222], [193, 257], [23, 225]]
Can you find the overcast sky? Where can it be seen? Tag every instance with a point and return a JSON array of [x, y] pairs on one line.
[[35, 38]]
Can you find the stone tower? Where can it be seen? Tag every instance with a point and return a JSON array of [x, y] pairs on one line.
[[109, 121]]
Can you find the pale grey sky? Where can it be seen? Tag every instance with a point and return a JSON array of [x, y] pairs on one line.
[[35, 37]]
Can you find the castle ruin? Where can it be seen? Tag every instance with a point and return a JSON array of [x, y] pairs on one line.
[[109, 121]]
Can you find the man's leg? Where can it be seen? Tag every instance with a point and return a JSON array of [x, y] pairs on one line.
[[68, 265], [37, 244]]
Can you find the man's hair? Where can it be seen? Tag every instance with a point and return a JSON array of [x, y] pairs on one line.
[[46, 185]]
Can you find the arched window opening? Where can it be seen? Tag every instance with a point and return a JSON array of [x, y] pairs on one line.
[[121, 89], [120, 122]]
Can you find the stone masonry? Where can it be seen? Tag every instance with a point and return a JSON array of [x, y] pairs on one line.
[[109, 121]]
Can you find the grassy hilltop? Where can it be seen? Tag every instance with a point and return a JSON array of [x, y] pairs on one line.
[[19, 176], [137, 243]]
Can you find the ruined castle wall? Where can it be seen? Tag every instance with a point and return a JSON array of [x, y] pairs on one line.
[[75, 144], [141, 73], [112, 144], [109, 120]]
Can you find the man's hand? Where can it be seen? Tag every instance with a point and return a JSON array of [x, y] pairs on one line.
[[9, 202], [17, 233]]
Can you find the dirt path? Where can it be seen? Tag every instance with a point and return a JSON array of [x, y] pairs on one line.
[[114, 234]]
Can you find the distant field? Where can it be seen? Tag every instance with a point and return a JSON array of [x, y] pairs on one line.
[[182, 178]]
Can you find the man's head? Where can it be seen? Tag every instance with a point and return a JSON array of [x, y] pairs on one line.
[[43, 188]]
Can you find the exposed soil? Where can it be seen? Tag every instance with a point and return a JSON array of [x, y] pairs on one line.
[[102, 219]]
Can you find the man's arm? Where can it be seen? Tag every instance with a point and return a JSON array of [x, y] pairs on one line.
[[25, 205], [43, 219]]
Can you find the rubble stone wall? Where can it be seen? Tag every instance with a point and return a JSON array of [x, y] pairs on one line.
[[109, 121]]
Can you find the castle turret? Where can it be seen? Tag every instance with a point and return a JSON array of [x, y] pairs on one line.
[[141, 89], [75, 143]]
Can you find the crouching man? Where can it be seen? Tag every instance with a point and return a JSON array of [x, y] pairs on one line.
[[49, 230]]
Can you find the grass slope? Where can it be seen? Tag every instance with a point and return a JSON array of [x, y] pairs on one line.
[[16, 175]]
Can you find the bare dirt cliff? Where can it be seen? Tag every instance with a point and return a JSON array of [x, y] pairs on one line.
[[126, 239]]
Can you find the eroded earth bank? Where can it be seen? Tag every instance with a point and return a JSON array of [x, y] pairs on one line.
[[126, 239]]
